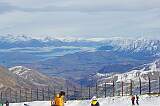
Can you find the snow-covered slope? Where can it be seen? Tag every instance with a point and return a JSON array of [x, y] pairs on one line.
[[133, 47], [109, 101], [27, 73], [151, 70]]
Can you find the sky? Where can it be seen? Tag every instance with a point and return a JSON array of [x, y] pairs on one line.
[[80, 18]]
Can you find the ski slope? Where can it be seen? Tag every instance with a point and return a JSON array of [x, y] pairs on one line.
[[109, 101]]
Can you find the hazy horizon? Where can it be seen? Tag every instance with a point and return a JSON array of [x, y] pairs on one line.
[[80, 19]]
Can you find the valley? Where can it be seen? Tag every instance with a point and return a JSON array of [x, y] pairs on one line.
[[78, 59]]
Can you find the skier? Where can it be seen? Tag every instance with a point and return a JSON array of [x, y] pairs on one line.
[[59, 99], [137, 99], [26, 104], [7, 103], [94, 101], [62, 95], [133, 100]]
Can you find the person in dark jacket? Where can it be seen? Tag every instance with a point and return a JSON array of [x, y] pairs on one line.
[[26, 104], [137, 99], [7, 103], [94, 101], [133, 100]]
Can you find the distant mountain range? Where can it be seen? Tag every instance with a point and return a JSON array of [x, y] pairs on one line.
[[78, 59]]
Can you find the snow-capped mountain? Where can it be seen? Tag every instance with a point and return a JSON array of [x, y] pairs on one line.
[[27, 73], [129, 45], [30, 75], [20, 76], [134, 47], [39, 79], [143, 72], [151, 46], [12, 39], [92, 55]]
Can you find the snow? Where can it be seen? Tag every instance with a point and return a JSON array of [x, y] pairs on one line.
[[136, 74], [20, 70], [150, 69], [14, 38], [103, 75], [134, 45], [144, 100]]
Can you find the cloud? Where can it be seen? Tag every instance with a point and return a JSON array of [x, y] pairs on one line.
[[85, 18], [80, 6], [6, 7]]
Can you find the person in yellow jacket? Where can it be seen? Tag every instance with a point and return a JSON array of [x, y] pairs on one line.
[[94, 101], [60, 99]]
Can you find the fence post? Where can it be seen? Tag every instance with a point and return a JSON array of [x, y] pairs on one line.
[[10, 99], [159, 84], [75, 90], [97, 89], [81, 92], [48, 94], [20, 95], [26, 94], [140, 86], [37, 94], [67, 93], [1, 96], [149, 85], [122, 87], [131, 86], [16, 96], [31, 94], [105, 85], [43, 93], [113, 89], [89, 93]]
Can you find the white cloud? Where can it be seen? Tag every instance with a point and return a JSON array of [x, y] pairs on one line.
[[80, 18], [82, 5]]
